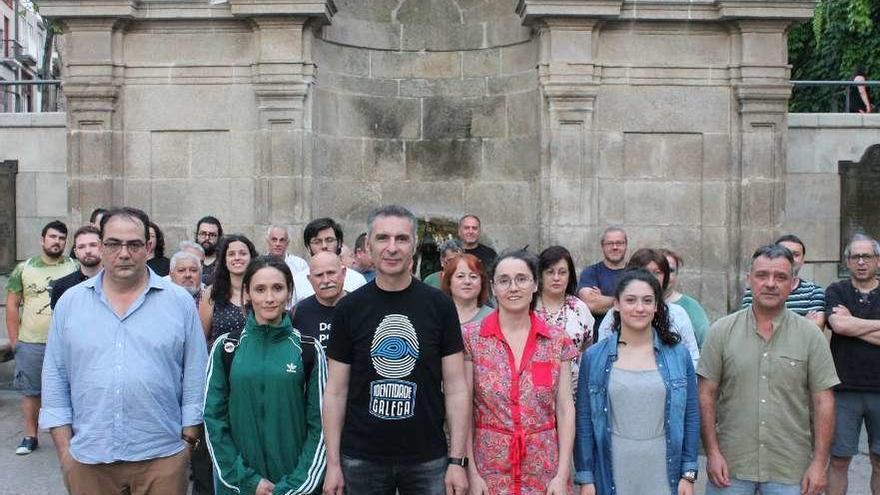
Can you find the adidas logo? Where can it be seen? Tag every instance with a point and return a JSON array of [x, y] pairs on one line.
[[291, 368]]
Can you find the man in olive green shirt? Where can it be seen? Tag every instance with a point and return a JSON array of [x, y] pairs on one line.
[[761, 371]]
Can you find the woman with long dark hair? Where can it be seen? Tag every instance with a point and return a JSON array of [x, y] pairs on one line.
[[655, 263], [638, 421], [156, 259], [221, 309], [263, 398], [519, 370]]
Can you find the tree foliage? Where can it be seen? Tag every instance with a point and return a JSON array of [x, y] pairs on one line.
[[844, 35]]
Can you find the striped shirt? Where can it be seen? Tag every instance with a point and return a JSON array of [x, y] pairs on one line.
[[806, 297]]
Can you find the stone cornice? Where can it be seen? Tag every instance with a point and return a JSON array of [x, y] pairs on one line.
[[533, 11], [321, 10]]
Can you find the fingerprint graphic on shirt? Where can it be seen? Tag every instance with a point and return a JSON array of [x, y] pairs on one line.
[[395, 348]]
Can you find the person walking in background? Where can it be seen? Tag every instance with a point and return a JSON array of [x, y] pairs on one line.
[[857, 97]]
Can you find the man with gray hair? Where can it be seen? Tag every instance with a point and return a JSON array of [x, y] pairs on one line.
[[853, 309], [277, 241], [762, 371], [193, 248], [448, 249], [186, 271], [396, 366]]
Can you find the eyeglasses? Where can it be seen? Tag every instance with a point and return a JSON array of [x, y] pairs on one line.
[[562, 272], [521, 282], [865, 257], [329, 241], [132, 246], [614, 243], [207, 235]]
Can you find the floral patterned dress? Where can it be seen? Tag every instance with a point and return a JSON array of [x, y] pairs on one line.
[[576, 320], [516, 448]]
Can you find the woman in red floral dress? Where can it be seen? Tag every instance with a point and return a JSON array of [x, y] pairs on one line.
[[519, 369]]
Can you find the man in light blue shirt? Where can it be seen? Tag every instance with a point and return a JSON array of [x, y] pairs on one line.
[[124, 372]]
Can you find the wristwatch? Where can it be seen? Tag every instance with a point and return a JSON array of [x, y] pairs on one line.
[[192, 441], [689, 476], [459, 461]]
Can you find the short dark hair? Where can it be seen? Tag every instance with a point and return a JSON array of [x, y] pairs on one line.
[[773, 251], [360, 242], [645, 256], [553, 255], [86, 229], [54, 225], [526, 257], [319, 224], [95, 213], [212, 221], [792, 238], [159, 248], [131, 214]]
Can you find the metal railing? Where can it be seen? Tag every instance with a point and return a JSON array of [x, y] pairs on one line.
[[837, 97], [18, 96]]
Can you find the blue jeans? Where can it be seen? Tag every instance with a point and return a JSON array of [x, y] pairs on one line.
[[375, 478], [743, 487]]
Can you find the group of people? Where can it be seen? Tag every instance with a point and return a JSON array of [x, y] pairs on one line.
[[267, 373]]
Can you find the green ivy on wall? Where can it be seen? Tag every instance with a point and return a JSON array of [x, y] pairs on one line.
[[844, 34]]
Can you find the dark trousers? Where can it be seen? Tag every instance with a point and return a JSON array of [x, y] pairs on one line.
[[374, 478]]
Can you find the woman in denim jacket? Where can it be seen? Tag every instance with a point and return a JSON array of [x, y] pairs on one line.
[[637, 416]]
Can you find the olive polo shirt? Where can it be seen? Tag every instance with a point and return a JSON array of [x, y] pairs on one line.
[[764, 393]]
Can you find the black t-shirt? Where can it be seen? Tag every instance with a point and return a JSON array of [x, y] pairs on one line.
[[314, 319], [162, 266], [485, 254], [857, 361], [59, 286], [394, 342]]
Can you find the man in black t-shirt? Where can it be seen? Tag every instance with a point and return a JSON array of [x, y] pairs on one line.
[[396, 372], [853, 310], [87, 250], [313, 316], [469, 229]]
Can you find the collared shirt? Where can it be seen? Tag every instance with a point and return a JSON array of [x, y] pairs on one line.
[[765, 393], [127, 385]]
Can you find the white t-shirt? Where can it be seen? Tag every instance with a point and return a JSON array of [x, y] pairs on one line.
[[353, 281]]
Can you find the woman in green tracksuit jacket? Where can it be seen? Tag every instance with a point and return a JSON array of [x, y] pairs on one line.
[[263, 406]]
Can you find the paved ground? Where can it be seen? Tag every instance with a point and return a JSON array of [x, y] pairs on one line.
[[38, 472]]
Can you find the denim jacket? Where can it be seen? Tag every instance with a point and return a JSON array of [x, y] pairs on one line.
[[592, 446]]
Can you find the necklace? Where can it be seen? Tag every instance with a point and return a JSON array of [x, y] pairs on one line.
[[555, 316]]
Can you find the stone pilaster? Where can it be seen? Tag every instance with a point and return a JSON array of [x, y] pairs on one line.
[[91, 80], [283, 75]]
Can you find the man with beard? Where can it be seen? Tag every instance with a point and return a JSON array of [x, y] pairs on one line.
[[208, 234], [313, 316], [28, 326], [597, 282], [853, 310], [324, 235], [186, 271], [87, 249]]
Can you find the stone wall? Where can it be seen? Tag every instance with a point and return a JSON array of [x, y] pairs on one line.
[[817, 143], [38, 141], [433, 105]]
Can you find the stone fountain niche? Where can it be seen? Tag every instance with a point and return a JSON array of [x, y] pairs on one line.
[[548, 119]]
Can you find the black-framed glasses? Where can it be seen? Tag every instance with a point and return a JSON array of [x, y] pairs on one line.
[[864, 257], [207, 235], [328, 241], [132, 246]]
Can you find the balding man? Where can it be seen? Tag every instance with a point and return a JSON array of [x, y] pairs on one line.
[[277, 241], [313, 316]]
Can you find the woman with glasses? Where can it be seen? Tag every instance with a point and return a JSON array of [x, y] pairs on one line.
[[638, 421], [519, 370], [558, 304], [465, 281], [221, 307]]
